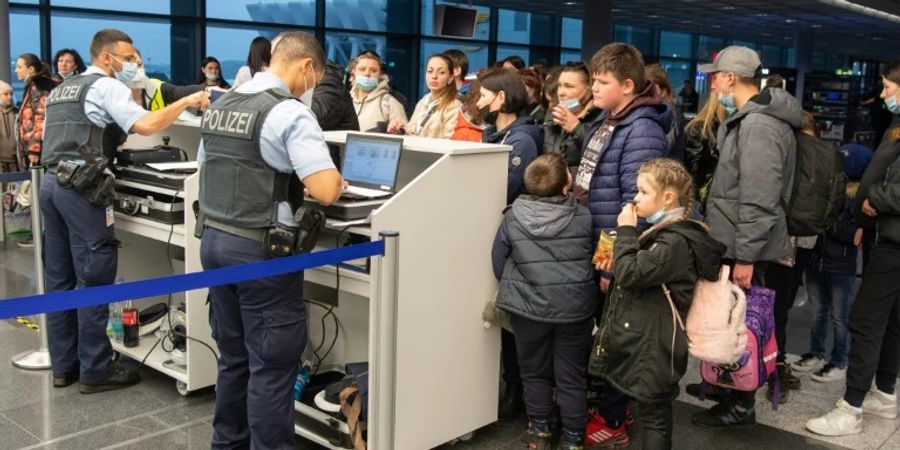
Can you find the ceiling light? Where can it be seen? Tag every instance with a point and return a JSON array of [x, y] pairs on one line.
[[570, 3], [652, 16], [728, 8], [789, 21], [815, 25], [762, 15], [872, 12]]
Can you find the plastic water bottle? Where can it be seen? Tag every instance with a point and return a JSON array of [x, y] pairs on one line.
[[115, 318], [300, 383]]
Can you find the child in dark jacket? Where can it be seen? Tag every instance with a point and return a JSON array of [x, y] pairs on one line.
[[829, 280], [542, 257], [639, 350]]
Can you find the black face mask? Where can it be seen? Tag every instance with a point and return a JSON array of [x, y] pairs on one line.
[[487, 116]]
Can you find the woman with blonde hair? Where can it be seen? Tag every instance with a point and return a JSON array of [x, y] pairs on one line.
[[702, 151]]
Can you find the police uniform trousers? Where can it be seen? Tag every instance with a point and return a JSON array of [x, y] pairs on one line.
[[260, 328], [79, 251]]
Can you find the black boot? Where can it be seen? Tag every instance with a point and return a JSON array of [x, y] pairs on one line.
[[119, 379], [724, 414], [513, 403]]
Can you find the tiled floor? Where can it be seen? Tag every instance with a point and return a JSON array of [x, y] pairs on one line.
[[152, 415]]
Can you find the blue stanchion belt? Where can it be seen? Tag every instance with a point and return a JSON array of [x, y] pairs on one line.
[[62, 301], [13, 177]]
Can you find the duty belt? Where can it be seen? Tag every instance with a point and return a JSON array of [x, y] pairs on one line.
[[254, 234]]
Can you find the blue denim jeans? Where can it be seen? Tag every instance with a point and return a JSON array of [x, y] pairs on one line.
[[831, 293]]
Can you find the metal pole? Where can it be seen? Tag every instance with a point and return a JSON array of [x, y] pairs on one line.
[[38, 359], [385, 363]]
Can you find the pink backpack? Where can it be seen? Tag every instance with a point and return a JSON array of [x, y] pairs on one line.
[[715, 325], [757, 363]]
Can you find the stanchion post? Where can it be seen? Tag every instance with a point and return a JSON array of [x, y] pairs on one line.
[[385, 362], [37, 359]]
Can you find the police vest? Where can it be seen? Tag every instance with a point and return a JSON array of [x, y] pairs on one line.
[[68, 133], [237, 187]]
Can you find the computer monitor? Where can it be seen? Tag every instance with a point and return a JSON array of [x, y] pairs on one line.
[[371, 161], [455, 21]]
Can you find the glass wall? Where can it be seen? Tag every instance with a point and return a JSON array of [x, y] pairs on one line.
[[174, 36], [22, 39]]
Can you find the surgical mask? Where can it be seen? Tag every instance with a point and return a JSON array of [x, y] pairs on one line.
[[307, 96], [4, 104], [139, 79], [572, 105], [656, 217], [487, 116], [727, 101], [892, 105], [366, 84], [129, 70], [211, 76]]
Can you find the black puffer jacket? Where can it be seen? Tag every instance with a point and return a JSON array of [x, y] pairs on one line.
[[700, 157], [634, 348], [885, 198], [331, 102], [557, 140]]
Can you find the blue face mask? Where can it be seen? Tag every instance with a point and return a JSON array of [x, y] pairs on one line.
[[727, 102], [129, 70], [572, 105], [892, 105], [367, 84], [656, 217]]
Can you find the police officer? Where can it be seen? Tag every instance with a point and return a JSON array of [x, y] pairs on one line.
[[254, 139], [86, 116]]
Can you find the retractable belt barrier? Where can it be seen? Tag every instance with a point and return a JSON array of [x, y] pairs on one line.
[[13, 177], [151, 287]]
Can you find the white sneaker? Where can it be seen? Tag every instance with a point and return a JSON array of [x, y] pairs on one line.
[[829, 373], [879, 404], [842, 420], [806, 363]]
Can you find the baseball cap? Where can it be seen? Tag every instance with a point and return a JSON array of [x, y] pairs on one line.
[[741, 61]]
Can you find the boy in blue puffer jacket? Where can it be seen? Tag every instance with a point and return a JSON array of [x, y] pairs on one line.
[[631, 131], [542, 257], [830, 279]]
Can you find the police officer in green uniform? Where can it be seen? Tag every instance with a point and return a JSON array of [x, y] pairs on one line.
[[254, 140], [86, 116]]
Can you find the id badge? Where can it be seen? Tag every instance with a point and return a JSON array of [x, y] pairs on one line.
[[110, 216]]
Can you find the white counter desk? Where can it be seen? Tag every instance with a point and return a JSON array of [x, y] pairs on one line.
[[448, 206]]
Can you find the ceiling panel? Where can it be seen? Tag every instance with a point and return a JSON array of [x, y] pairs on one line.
[[774, 22]]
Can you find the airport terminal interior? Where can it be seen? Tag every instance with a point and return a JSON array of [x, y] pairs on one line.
[[403, 348]]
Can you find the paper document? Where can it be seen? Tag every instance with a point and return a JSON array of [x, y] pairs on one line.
[[364, 192], [173, 166]]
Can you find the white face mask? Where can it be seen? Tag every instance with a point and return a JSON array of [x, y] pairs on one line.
[[307, 96], [140, 79]]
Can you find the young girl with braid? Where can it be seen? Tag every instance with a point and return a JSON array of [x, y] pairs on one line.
[[641, 349]]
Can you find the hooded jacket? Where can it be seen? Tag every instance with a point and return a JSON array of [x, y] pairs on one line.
[[639, 135], [633, 349], [466, 130], [331, 102], [542, 257], [378, 108], [8, 135], [526, 138], [754, 178]]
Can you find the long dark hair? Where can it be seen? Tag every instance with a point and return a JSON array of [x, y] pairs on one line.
[[892, 73], [202, 78], [32, 60], [79, 63], [259, 55]]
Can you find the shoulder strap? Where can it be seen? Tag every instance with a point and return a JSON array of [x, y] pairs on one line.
[[676, 319]]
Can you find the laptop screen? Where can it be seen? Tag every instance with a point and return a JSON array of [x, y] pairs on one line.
[[371, 161]]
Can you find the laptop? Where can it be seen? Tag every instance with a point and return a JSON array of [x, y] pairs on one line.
[[370, 164]]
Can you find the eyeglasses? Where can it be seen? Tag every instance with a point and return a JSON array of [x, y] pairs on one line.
[[120, 58]]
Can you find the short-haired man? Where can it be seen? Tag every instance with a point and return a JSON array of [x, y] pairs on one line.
[[255, 141], [88, 116], [752, 183]]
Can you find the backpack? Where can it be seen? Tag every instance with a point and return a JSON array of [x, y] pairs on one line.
[[715, 324], [817, 196], [757, 363]]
